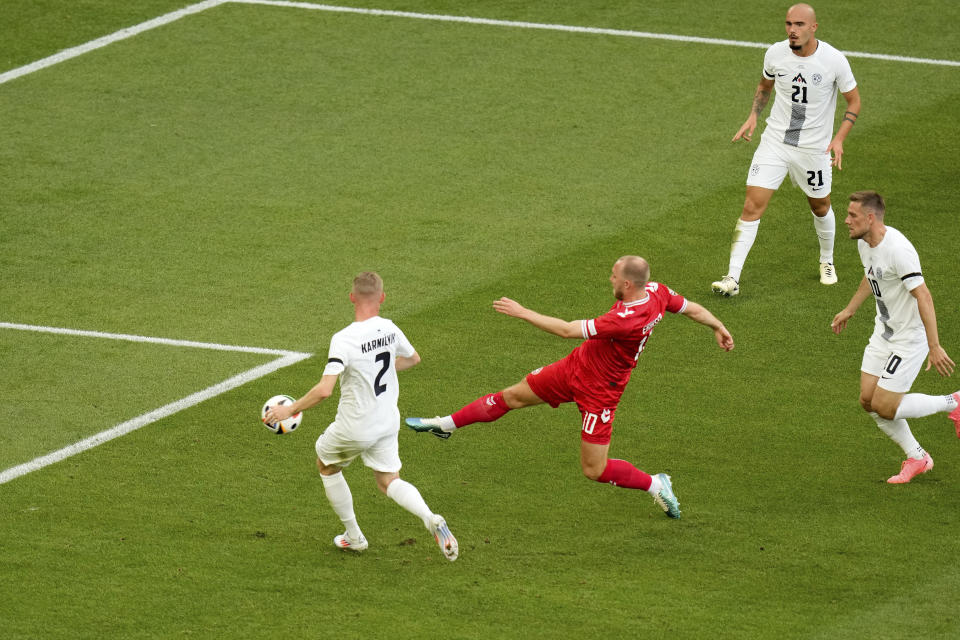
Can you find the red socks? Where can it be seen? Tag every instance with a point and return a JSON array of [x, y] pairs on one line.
[[621, 473], [486, 409]]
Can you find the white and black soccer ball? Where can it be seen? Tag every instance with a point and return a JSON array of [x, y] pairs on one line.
[[284, 426]]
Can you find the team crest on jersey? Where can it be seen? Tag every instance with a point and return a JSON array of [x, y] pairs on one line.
[[817, 79], [755, 169], [799, 78]]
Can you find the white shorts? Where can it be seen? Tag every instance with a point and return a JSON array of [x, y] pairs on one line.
[[897, 366], [382, 454], [772, 161]]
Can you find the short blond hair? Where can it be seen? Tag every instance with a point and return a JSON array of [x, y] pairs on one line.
[[368, 284]]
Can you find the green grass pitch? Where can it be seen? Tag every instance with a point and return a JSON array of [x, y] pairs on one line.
[[221, 178]]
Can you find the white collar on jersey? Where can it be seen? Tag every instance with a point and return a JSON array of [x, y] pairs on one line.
[[634, 303]]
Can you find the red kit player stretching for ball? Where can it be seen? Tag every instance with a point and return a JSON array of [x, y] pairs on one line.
[[594, 374]]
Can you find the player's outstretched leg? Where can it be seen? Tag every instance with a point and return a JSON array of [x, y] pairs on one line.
[[429, 425], [911, 468], [344, 541], [441, 533], [666, 498]]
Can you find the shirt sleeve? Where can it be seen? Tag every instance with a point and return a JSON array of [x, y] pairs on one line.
[[676, 303], [404, 348], [908, 268], [769, 68], [336, 358], [845, 80], [609, 325]]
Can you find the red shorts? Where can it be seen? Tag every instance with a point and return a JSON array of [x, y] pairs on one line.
[[557, 384]]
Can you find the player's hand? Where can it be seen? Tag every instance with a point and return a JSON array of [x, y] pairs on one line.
[[840, 321], [509, 307], [835, 150], [939, 359], [278, 413], [746, 131], [724, 339]]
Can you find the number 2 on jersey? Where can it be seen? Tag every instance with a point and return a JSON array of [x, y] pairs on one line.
[[378, 386]]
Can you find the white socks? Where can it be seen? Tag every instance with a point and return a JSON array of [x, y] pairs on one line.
[[743, 237], [338, 493], [400, 491], [655, 485], [407, 496], [746, 233], [919, 405], [899, 431], [826, 228]]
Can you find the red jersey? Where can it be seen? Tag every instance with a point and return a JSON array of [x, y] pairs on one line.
[[613, 342]]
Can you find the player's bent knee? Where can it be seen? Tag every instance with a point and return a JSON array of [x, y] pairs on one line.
[[888, 413], [385, 479], [593, 471]]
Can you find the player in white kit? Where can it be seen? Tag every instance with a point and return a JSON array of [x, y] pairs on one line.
[[807, 74], [905, 332], [367, 354]]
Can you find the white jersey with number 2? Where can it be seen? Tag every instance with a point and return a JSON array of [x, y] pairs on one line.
[[364, 354], [892, 269]]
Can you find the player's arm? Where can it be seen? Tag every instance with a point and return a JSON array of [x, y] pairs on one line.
[[699, 313], [405, 362], [938, 357], [320, 392], [556, 326], [846, 124], [760, 99], [840, 320]]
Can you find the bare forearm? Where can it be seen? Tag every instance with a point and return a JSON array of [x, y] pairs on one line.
[[320, 392], [699, 313], [760, 99], [862, 293], [929, 318], [405, 362], [556, 326]]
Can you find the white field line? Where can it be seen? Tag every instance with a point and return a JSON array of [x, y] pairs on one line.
[[134, 338], [286, 359], [123, 34], [574, 29], [73, 52]]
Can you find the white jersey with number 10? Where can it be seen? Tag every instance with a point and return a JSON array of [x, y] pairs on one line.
[[892, 269]]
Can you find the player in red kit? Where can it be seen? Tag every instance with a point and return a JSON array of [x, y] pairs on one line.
[[594, 374]]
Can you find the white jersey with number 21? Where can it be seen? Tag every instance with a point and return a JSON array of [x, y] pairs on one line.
[[806, 94]]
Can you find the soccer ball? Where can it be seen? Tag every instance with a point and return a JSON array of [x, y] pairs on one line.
[[284, 426]]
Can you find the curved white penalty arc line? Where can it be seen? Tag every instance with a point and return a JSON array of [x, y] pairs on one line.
[[152, 416]]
